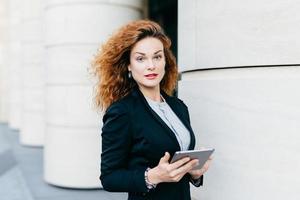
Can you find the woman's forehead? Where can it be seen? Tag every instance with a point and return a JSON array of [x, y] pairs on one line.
[[149, 45]]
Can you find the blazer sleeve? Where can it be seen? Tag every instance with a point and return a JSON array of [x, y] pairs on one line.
[[116, 144], [198, 182]]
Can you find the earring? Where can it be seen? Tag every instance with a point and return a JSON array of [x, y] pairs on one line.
[[129, 75]]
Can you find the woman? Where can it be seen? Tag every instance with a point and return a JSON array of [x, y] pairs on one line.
[[143, 124]]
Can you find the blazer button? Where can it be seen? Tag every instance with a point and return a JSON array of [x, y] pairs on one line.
[[144, 194]]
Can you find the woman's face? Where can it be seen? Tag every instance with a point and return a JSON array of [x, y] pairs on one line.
[[147, 63]]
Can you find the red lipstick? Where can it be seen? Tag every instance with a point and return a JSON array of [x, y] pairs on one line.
[[151, 76]]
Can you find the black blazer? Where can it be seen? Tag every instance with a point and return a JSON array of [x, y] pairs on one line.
[[134, 137]]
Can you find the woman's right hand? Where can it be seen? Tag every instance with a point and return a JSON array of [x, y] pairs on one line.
[[166, 172]]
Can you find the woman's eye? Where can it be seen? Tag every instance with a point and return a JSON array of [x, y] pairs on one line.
[[140, 59], [158, 57]]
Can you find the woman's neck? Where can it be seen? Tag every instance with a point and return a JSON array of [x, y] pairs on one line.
[[151, 93]]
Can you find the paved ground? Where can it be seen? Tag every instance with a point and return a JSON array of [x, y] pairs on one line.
[[21, 174]]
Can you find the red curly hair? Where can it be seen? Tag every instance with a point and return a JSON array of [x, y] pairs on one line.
[[110, 64]]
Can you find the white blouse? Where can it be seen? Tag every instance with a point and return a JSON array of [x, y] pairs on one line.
[[165, 112]]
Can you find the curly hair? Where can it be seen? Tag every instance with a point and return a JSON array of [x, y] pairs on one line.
[[110, 64]]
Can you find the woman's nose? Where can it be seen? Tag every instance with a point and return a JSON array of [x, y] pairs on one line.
[[150, 65]]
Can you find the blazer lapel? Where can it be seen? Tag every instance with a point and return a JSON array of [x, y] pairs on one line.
[[157, 118], [174, 106], [179, 112]]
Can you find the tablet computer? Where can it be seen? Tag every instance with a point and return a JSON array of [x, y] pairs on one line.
[[202, 155]]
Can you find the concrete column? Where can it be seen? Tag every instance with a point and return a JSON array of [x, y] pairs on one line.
[[15, 75], [74, 32], [33, 123], [251, 117], [4, 37], [249, 112], [218, 34]]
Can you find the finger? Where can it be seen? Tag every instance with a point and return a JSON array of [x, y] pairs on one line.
[[179, 163], [196, 172], [199, 171], [185, 168], [190, 165], [178, 177], [207, 163], [206, 166], [165, 158]]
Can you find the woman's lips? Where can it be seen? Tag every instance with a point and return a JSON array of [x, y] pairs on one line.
[[151, 76]]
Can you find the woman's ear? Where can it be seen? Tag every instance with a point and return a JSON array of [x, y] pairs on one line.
[[129, 68]]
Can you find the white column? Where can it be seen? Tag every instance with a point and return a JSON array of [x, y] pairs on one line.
[[33, 123], [15, 75], [214, 34], [4, 37], [250, 115], [74, 32]]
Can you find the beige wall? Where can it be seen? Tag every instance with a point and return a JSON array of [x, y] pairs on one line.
[[249, 115]]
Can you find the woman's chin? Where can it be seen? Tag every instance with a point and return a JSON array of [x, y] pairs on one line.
[[150, 85]]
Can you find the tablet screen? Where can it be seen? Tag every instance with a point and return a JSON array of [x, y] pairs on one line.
[[202, 155]]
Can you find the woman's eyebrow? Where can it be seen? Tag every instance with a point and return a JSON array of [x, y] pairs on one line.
[[145, 54], [157, 51], [141, 53]]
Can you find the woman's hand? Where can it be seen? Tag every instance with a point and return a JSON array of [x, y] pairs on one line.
[[197, 173], [166, 172]]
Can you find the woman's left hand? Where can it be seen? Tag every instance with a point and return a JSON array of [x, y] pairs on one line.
[[197, 173]]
